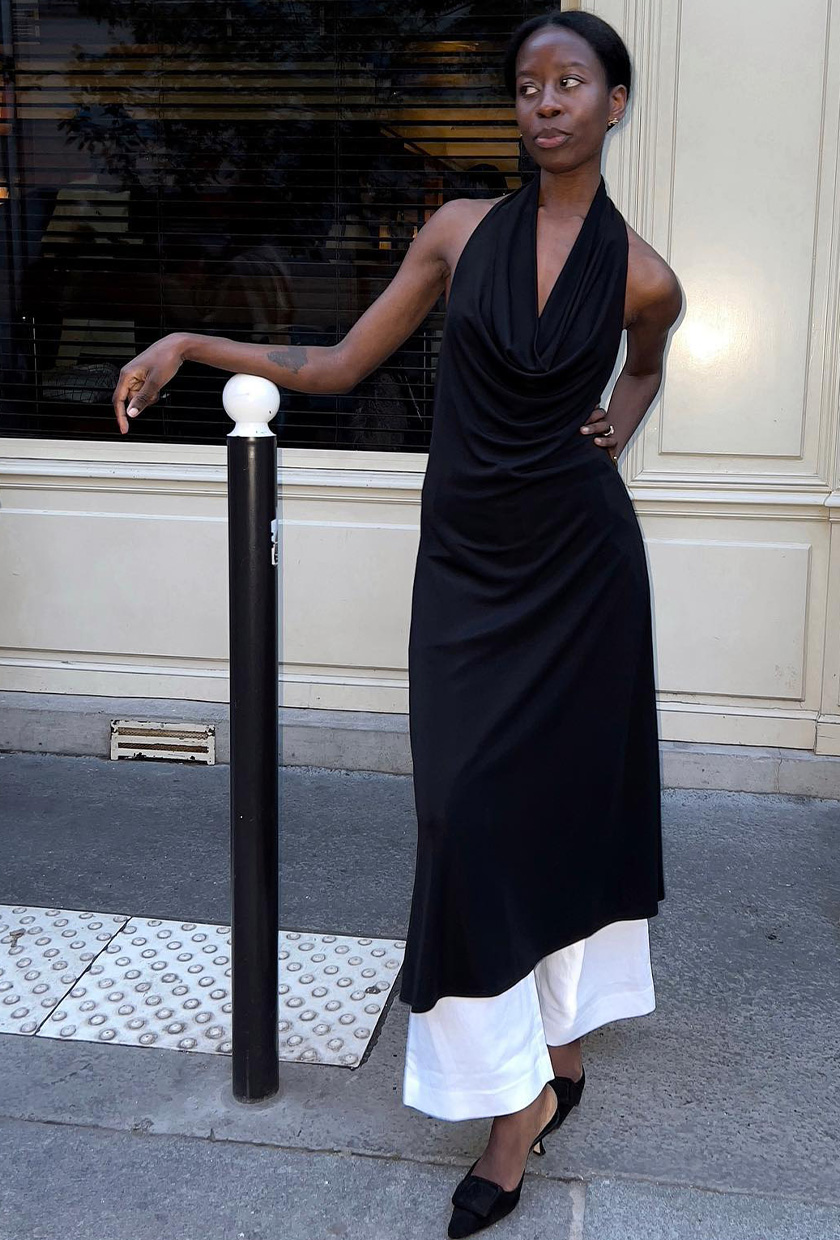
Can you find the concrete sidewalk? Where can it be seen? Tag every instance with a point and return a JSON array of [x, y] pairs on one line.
[[715, 1118]]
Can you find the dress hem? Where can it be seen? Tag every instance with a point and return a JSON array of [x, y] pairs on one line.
[[645, 915]]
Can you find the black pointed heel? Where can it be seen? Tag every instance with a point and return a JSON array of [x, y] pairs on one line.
[[480, 1202], [568, 1095], [555, 1122]]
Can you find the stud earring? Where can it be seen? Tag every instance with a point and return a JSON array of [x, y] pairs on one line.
[[614, 121]]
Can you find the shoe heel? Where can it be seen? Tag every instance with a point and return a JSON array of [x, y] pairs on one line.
[[568, 1094], [538, 1146]]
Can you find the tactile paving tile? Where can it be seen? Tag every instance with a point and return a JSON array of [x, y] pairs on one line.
[[167, 984], [332, 992], [43, 952]]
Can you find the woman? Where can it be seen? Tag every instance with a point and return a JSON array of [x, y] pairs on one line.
[[531, 692]]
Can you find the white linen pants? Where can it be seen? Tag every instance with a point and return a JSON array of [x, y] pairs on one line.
[[468, 1057]]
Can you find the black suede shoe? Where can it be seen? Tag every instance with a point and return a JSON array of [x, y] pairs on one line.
[[479, 1202], [568, 1095]]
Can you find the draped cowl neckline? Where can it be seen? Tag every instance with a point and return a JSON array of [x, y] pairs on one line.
[[494, 288], [579, 242]]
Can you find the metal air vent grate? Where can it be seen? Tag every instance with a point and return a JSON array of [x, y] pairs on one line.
[[163, 740]]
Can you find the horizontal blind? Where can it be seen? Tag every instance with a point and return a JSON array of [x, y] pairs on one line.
[[254, 171]]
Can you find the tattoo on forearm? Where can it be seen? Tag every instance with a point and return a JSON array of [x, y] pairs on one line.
[[290, 357]]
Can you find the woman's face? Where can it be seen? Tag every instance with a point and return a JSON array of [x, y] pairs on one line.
[[560, 85]]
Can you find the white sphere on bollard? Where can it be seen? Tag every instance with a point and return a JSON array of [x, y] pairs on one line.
[[252, 402]]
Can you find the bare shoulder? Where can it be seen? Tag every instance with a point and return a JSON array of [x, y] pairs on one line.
[[463, 215], [653, 290]]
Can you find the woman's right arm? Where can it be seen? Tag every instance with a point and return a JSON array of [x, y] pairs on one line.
[[385, 325]]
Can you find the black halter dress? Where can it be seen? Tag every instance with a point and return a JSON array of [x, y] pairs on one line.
[[532, 712]]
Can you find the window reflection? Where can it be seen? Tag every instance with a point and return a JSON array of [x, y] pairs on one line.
[[253, 171]]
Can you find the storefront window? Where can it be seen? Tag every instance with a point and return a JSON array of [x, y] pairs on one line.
[[252, 170]]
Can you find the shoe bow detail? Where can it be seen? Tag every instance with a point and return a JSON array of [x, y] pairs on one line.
[[476, 1194], [567, 1090]]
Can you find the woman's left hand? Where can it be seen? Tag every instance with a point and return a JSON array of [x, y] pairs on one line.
[[597, 424]]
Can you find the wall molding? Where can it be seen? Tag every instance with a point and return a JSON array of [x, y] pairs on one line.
[[311, 481]]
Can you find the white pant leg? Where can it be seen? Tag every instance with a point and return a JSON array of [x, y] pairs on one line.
[[470, 1058], [604, 977]]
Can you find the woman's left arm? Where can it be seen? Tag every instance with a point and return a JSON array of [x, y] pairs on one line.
[[637, 384]]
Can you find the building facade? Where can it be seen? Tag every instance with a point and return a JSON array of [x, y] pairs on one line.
[[263, 184]]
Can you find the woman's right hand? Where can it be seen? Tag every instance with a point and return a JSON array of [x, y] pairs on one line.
[[143, 378]]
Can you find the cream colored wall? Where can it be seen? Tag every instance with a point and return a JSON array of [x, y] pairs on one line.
[[115, 561], [114, 555], [728, 166]]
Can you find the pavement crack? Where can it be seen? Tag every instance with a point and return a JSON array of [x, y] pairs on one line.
[[68, 1076]]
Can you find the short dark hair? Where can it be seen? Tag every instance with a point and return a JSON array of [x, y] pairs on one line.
[[605, 42]]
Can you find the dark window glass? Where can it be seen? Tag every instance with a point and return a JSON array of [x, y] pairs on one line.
[[248, 170]]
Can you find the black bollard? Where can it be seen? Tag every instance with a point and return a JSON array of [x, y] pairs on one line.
[[254, 734]]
